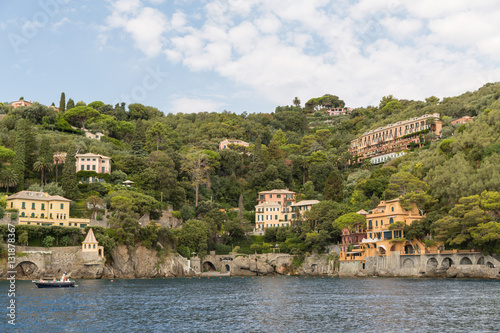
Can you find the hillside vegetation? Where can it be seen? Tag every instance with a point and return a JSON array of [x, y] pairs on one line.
[[174, 161]]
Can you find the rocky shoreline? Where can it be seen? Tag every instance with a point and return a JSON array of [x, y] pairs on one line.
[[139, 262]]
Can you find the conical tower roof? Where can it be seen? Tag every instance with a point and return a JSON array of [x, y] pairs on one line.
[[90, 237]]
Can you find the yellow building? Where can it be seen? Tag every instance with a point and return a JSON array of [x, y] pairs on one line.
[[40, 208], [382, 239]]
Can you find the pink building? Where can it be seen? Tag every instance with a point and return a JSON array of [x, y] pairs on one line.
[[19, 103], [225, 144], [93, 162], [353, 236], [339, 111], [462, 120], [274, 209]]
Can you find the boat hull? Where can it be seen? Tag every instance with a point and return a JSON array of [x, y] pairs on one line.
[[66, 284]]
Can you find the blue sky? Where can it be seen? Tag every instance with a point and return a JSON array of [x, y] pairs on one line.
[[245, 55]]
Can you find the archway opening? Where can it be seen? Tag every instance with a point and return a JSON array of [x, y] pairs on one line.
[[228, 268], [447, 263], [465, 261], [480, 261], [432, 263], [208, 267], [26, 269], [409, 249], [490, 265], [381, 250], [408, 263], [314, 267]]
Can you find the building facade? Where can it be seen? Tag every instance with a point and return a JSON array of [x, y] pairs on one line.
[[339, 111], [299, 208], [225, 144], [20, 102], [395, 138], [40, 208], [90, 247], [274, 209], [93, 162], [354, 235], [462, 120]]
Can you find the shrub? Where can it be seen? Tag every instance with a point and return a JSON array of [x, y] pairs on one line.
[[66, 240], [48, 241], [98, 217], [13, 216]]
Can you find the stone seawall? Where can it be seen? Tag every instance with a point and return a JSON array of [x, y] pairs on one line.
[[457, 264]]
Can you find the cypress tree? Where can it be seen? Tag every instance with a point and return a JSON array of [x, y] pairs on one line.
[[69, 181], [71, 104], [62, 103], [30, 146], [18, 164]]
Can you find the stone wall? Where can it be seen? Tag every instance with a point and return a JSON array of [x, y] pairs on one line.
[[449, 264]]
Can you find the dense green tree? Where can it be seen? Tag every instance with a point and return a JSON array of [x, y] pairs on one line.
[[62, 103], [8, 178], [334, 187], [19, 163], [69, 181], [70, 104], [80, 115]]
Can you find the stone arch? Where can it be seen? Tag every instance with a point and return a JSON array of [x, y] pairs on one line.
[[26, 269], [432, 263], [314, 267], [381, 250], [393, 248], [228, 268], [408, 263], [208, 267], [465, 261], [447, 263], [489, 264], [480, 261]]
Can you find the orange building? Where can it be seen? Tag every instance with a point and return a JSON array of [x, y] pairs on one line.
[[382, 239], [462, 120], [274, 209]]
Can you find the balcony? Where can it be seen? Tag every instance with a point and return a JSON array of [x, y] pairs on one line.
[[370, 240]]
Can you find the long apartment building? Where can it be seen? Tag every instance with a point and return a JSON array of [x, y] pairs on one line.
[[392, 140]]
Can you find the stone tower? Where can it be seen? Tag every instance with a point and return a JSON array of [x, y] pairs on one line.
[[90, 247]]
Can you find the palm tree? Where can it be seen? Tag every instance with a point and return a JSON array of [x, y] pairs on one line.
[[42, 165], [296, 101], [8, 178]]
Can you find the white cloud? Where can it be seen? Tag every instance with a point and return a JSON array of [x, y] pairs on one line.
[[146, 25], [360, 52], [194, 105]]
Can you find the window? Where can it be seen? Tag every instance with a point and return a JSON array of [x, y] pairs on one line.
[[392, 208], [22, 214], [23, 206], [42, 216], [93, 159], [391, 220], [11, 203], [88, 159], [376, 223], [88, 167], [279, 202], [50, 206], [276, 217], [270, 196], [370, 224], [278, 196], [102, 170], [32, 205], [32, 214], [62, 206], [43, 206], [82, 159], [82, 167], [93, 167]]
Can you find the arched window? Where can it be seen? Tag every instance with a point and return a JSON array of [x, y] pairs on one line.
[[369, 223], [32, 214], [391, 220], [392, 208], [376, 223], [42, 216], [22, 214], [94, 246]]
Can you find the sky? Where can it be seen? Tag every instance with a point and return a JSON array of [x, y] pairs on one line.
[[245, 55]]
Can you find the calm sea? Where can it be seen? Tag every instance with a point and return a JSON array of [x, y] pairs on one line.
[[258, 305]]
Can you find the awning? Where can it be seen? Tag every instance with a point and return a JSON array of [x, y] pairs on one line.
[[382, 246]]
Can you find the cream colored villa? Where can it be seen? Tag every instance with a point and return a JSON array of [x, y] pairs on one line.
[[40, 208]]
